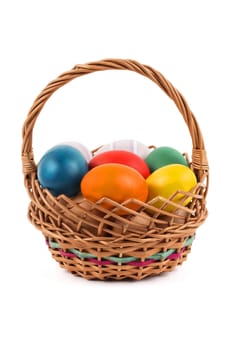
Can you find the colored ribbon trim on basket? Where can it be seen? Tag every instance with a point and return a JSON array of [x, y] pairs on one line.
[[171, 254]]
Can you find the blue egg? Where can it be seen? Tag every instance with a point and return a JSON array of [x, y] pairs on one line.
[[61, 170]]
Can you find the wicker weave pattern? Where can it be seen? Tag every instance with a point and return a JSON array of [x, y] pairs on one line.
[[71, 225]]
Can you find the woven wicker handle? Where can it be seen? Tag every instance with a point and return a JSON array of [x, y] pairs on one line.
[[199, 159]]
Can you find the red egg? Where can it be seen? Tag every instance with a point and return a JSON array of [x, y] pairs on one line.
[[121, 157]]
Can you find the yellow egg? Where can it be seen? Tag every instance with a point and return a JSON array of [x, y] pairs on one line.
[[166, 181]]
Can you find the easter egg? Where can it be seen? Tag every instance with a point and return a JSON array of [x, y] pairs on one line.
[[121, 157], [163, 156], [167, 180], [126, 145], [80, 147], [114, 181], [61, 169]]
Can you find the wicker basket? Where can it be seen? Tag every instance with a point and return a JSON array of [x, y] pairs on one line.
[[96, 243]]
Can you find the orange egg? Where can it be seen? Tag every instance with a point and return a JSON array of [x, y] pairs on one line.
[[117, 182]]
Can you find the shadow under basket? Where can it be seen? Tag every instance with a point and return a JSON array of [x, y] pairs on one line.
[[93, 242]]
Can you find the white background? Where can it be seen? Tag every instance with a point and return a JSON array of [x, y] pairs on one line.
[[190, 42]]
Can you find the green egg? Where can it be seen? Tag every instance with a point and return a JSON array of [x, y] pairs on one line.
[[163, 156]]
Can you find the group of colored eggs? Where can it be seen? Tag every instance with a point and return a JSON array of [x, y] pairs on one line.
[[119, 171]]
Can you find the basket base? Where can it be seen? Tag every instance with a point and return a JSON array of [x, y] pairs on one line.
[[91, 271]]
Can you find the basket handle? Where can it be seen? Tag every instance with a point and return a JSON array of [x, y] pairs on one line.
[[199, 159]]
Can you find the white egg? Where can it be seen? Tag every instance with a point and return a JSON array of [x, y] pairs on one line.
[[128, 145], [80, 147]]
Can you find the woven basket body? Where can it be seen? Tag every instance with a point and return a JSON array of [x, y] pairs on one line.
[[96, 243]]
